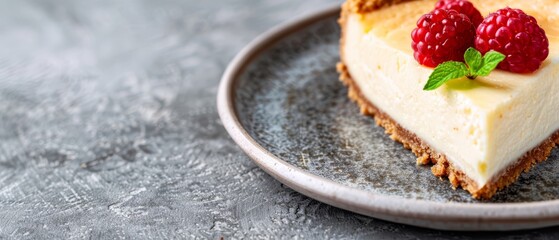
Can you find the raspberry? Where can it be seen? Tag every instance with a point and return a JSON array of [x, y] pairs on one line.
[[462, 6], [515, 34], [442, 35]]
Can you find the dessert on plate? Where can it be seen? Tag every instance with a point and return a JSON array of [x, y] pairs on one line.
[[424, 70]]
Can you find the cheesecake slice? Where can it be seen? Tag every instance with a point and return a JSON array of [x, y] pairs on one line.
[[479, 134]]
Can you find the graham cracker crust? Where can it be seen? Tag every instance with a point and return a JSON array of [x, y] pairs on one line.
[[442, 167], [364, 6]]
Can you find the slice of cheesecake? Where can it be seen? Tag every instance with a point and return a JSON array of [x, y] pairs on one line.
[[479, 134]]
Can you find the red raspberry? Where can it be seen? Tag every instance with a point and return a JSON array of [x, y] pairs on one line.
[[462, 6], [442, 35], [518, 36]]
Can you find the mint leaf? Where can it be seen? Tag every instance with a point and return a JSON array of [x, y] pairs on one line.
[[490, 62], [475, 66], [474, 59], [444, 72]]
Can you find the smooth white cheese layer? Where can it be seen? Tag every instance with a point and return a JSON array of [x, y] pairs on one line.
[[482, 126]]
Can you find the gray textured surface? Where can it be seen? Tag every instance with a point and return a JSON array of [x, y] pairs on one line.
[[108, 127]]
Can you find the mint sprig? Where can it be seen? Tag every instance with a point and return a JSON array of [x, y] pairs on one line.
[[475, 66]]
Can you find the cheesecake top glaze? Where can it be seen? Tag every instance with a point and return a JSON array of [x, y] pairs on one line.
[[394, 24]]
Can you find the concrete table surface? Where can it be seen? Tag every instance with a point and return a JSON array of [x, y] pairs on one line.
[[109, 129]]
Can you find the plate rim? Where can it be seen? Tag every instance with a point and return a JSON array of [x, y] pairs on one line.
[[423, 213]]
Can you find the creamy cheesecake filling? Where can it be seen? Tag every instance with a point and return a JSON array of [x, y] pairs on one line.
[[482, 126]]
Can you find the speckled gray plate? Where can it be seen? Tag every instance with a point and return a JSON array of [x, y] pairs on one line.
[[281, 101]]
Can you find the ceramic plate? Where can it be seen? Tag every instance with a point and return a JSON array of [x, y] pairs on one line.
[[281, 101]]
